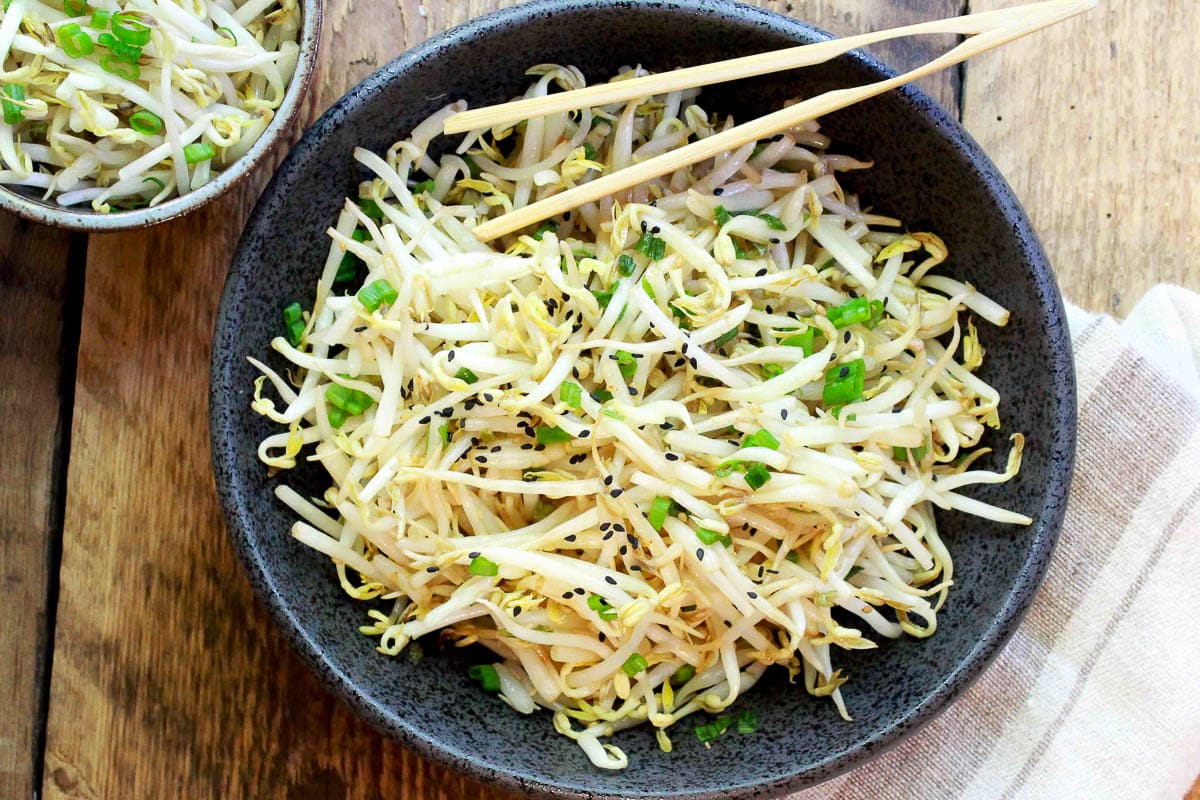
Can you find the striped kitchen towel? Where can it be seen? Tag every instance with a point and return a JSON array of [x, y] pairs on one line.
[[1097, 695]]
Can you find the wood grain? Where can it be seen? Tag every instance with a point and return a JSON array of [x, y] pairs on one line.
[[35, 285], [1096, 124], [169, 679]]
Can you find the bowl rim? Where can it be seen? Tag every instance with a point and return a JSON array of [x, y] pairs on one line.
[[78, 219], [1000, 627]]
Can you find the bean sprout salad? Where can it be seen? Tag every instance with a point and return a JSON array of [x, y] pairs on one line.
[[650, 448], [123, 105]]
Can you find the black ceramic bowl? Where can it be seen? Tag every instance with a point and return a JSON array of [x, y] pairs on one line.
[[927, 172]]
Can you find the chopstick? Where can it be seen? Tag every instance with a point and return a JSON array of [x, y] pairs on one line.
[[998, 28], [732, 69]]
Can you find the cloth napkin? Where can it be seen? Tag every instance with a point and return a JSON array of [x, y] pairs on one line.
[[1097, 695]]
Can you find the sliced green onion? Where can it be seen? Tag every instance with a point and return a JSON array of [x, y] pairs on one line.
[[75, 8], [444, 433], [483, 566], [544, 228], [589, 152], [370, 208], [713, 730], [712, 537], [773, 222], [763, 438], [74, 41], [196, 152], [101, 19], [602, 395], [601, 607], [487, 676], [626, 265], [146, 122], [651, 246], [902, 453], [350, 263], [634, 664], [603, 298], [337, 417], [803, 340], [627, 364], [793, 557], [120, 68], [548, 435], [746, 722], [730, 467], [352, 401], [843, 383], [647, 288], [129, 29], [725, 338], [466, 375], [858, 311], [119, 50], [682, 675], [853, 571], [424, 187], [293, 323], [660, 508], [376, 294], [722, 216], [13, 96], [571, 394], [757, 476]]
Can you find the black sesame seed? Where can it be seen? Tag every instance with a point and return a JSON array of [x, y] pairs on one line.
[[684, 349], [570, 537], [768, 309], [846, 337], [495, 449], [537, 448], [728, 624], [774, 240], [568, 595], [607, 536], [527, 446], [699, 553], [656, 230], [720, 190], [575, 372], [672, 456], [578, 590], [643, 226], [585, 433], [633, 391], [693, 362], [605, 526], [424, 420], [481, 459], [447, 412], [601, 636], [633, 540], [450, 356], [618, 527], [843, 372], [488, 396], [615, 493], [360, 329], [635, 568], [752, 595], [610, 580], [679, 362], [624, 549], [783, 413], [608, 480], [516, 612], [566, 216], [431, 569], [761, 272]]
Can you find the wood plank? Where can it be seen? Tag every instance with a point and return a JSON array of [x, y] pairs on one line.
[[35, 290], [169, 679], [1095, 123]]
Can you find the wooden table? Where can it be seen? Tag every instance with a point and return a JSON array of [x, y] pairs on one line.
[[137, 663]]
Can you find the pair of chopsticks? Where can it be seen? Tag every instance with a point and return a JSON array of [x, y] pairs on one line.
[[986, 30]]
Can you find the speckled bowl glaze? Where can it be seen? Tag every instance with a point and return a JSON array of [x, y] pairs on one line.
[[27, 203], [929, 172]]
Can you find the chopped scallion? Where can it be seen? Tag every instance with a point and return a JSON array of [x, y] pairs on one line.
[[660, 508], [725, 338], [466, 375], [146, 122], [549, 435], [293, 323], [626, 363], [756, 476], [626, 266], [601, 607], [571, 394], [352, 401], [843, 383], [196, 152], [487, 676], [682, 675], [14, 95], [129, 29], [762, 438], [651, 246], [376, 294], [74, 41], [483, 566], [634, 664]]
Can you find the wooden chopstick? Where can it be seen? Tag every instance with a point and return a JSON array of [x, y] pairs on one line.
[[1020, 22], [732, 69]]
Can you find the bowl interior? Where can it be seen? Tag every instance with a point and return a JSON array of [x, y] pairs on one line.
[[28, 203], [928, 173]]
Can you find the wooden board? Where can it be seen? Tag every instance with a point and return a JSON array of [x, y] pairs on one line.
[[169, 680], [35, 289], [1096, 123]]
